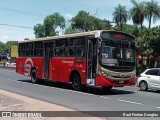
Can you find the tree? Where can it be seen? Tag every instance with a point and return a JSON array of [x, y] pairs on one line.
[[26, 38], [152, 11], [51, 22], [120, 16], [148, 43], [83, 21], [132, 29], [137, 12], [39, 30], [2, 47], [9, 44], [70, 30]]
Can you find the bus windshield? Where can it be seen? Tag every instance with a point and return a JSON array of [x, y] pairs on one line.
[[117, 53]]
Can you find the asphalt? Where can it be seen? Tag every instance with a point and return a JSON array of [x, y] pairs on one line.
[[119, 99]]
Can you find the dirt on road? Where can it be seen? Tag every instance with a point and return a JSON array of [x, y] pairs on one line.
[[14, 102]]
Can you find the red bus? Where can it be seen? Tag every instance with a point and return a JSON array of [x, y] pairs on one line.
[[96, 58]]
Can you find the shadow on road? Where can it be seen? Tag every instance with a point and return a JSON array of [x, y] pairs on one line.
[[90, 90]]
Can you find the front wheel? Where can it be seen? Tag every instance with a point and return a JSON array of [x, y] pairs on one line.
[[143, 86], [34, 78], [76, 82]]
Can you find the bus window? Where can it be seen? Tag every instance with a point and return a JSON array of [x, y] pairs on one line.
[[62, 49], [38, 51], [77, 47], [21, 50]]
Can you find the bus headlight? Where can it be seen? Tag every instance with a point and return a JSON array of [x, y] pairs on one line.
[[105, 75]]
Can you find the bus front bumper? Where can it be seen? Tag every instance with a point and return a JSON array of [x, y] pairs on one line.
[[103, 81]]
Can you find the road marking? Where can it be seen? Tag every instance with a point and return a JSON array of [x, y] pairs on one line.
[[158, 107], [130, 102], [104, 97]]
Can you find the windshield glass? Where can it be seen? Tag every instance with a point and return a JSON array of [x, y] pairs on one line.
[[117, 53]]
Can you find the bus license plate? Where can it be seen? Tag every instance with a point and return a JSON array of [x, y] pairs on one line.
[[121, 81]]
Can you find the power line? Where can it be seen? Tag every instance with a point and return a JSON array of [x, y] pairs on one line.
[[17, 26], [23, 12]]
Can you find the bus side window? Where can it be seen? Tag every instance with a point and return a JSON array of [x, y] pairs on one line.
[[62, 49], [71, 51], [77, 45]]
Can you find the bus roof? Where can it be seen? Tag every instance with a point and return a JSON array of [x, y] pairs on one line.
[[91, 33]]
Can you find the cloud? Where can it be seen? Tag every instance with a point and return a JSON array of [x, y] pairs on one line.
[[15, 34], [4, 37], [69, 16]]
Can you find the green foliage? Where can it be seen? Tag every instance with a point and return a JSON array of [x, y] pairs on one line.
[[148, 43], [51, 22], [70, 30], [5, 48], [137, 12], [39, 31], [152, 11], [120, 16], [2, 47], [83, 21]]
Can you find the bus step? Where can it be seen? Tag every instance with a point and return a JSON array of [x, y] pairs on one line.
[[91, 82]]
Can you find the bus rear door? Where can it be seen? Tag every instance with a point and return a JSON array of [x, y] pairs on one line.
[[48, 51]]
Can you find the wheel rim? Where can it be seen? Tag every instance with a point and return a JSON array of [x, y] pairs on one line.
[[143, 86]]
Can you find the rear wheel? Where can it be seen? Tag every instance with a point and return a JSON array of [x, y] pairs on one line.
[[143, 86], [34, 78], [106, 88], [76, 82]]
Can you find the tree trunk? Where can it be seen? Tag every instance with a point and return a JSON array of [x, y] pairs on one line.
[[150, 20], [141, 25], [148, 61], [121, 26]]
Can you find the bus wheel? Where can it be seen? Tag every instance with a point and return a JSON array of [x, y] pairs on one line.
[[34, 78], [106, 88], [76, 82]]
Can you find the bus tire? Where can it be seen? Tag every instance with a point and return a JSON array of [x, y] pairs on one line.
[[76, 82], [34, 78], [107, 88]]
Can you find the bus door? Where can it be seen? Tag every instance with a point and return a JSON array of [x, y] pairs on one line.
[[90, 63], [48, 51]]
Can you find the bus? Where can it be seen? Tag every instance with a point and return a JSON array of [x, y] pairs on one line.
[[101, 58]]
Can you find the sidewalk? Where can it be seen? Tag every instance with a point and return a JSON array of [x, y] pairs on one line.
[[15, 102]]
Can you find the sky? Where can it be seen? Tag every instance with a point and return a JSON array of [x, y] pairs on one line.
[[28, 13]]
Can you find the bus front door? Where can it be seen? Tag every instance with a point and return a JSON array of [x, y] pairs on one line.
[[90, 63], [47, 57]]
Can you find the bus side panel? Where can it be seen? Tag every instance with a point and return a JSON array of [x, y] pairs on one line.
[[62, 68], [24, 65], [20, 65], [38, 64]]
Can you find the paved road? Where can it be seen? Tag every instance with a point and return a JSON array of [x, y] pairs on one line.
[[92, 99]]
